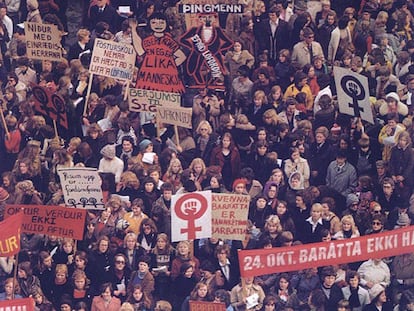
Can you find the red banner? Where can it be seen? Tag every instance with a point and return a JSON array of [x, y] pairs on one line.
[[23, 304], [283, 259], [10, 235], [50, 220], [206, 306]]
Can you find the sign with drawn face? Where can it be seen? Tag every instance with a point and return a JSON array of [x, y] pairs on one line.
[[207, 45], [191, 216], [81, 187], [353, 94]]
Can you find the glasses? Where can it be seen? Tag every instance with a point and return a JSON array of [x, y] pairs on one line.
[[377, 211], [376, 223], [203, 129], [120, 262]]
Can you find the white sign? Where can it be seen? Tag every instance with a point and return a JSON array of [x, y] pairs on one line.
[[353, 94], [81, 187], [113, 59], [191, 216]]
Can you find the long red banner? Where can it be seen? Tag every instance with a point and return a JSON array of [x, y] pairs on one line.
[[51, 220], [283, 259], [10, 235], [23, 304]]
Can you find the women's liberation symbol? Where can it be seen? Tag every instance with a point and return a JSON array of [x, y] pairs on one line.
[[191, 207]]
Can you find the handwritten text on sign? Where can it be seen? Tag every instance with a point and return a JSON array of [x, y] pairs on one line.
[[81, 187], [21, 304], [229, 216], [112, 59], [169, 114], [43, 41], [50, 220], [265, 261], [149, 101]]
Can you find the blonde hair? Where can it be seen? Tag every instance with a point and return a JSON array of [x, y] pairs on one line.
[[62, 268], [259, 94], [349, 219], [206, 124], [129, 178], [317, 206], [273, 220], [198, 161]]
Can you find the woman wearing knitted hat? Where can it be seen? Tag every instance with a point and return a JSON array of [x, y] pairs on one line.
[[110, 163]]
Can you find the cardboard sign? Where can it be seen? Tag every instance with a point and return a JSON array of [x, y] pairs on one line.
[[353, 94], [206, 306], [191, 216], [149, 100], [50, 105], [113, 59], [81, 187], [170, 114], [43, 41], [10, 235], [229, 216], [50, 220], [205, 62], [22, 304], [293, 258]]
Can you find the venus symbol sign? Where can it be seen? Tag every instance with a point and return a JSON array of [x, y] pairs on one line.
[[353, 94], [191, 216]]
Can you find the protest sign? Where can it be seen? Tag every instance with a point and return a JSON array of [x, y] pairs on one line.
[[43, 41], [206, 306], [113, 59], [149, 100], [81, 187], [293, 258], [50, 105], [205, 62], [191, 216], [21, 304], [353, 94], [50, 220], [229, 215], [170, 114], [10, 235]]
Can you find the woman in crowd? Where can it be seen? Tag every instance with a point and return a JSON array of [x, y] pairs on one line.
[[105, 301], [138, 299], [119, 275]]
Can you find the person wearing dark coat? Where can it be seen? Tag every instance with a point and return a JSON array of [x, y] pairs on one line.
[[126, 150], [273, 41], [320, 156], [103, 12], [332, 291], [229, 268]]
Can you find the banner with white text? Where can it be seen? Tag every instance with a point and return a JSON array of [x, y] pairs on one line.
[[10, 235], [21, 304], [229, 215], [293, 258], [50, 220]]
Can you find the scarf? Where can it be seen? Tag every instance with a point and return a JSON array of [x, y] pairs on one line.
[[353, 299]]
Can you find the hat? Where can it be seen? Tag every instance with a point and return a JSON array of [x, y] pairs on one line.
[[300, 5], [108, 151], [4, 195], [335, 129], [375, 291], [393, 96], [380, 164], [351, 199], [403, 220], [144, 144], [239, 181]]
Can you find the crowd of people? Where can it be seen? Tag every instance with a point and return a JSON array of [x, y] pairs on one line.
[[268, 127]]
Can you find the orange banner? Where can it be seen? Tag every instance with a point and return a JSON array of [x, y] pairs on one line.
[[283, 259], [10, 235], [50, 220], [23, 304]]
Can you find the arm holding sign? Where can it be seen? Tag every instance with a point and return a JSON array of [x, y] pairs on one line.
[[136, 39]]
